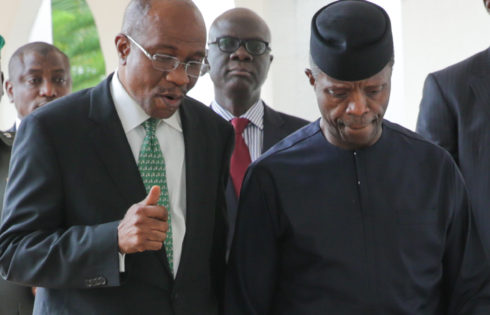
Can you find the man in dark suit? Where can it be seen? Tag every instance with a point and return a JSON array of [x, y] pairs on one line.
[[239, 57], [86, 212], [14, 299], [455, 113], [38, 73], [353, 214]]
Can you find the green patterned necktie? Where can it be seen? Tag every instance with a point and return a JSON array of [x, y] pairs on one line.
[[151, 165]]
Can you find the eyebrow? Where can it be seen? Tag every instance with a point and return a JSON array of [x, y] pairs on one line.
[[35, 71]]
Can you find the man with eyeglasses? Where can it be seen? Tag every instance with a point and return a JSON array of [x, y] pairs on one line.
[[353, 214], [116, 202], [239, 57]]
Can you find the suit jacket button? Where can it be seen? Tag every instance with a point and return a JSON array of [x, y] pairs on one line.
[[101, 281]]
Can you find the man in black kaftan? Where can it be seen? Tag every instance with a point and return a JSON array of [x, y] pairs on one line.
[[354, 214]]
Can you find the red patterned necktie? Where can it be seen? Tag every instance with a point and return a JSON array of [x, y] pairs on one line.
[[240, 159]]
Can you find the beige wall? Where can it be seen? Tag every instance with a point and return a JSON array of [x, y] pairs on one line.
[[438, 33], [16, 19], [108, 16], [433, 34], [287, 88]]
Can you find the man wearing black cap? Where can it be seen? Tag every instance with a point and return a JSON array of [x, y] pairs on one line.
[[354, 214], [454, 113]]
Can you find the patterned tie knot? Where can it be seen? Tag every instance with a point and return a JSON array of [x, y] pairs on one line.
[[239, 124], [150, 126]]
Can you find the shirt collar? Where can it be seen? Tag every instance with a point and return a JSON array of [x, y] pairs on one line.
[[255, 113], [17, 123], [130, 112]]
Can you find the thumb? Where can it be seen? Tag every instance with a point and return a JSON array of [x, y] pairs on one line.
[[153, 196]]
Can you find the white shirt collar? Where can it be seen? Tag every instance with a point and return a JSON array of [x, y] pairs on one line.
[[255, 113], [130, 112], [17, 123]]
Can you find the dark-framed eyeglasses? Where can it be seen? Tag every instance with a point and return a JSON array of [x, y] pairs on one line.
[[166, 63], [230, 44]]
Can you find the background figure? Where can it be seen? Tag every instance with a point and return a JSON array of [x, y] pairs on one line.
[[239, 56], [38, 73], [102, 178], [14, 299], [353, 214], [455, 113], [2, 43]]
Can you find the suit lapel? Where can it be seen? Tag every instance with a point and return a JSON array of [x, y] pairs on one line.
[[273, 131], [195, 168], [112, 146]]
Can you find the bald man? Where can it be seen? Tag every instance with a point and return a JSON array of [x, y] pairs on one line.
[[353, 214], [115, 204], [38, 73], [14, 299], [239, 55]]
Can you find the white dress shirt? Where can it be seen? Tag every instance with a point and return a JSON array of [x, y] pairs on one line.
[[253, 134], [171, 139]]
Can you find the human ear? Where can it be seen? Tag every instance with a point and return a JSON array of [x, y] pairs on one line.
[[310, 76], [123, 47], [9, 89]]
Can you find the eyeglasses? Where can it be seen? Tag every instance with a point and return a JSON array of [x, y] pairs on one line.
[[169, 63], [230, 44]]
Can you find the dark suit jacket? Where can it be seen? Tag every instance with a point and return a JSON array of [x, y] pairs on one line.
[[455, 113], [72, 179], [14, 299], [277, 126]]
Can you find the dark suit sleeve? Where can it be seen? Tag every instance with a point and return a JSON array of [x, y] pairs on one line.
[[437, 120], [253, 264], [466, 276], [37, 247]]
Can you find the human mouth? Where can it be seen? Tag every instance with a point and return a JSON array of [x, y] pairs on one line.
[[240, 72], [41, 104], [171, 99], [358, 123], [355, 126]]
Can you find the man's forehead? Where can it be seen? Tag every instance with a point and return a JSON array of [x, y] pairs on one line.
[[240, 26], [171, 22], [32, 61]]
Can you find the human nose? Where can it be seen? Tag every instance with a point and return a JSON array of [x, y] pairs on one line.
[[241, 54], [178, 75], [357, 104], [47, 89]]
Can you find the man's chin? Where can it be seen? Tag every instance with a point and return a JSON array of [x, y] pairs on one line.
[[163, 112], [361, 137]]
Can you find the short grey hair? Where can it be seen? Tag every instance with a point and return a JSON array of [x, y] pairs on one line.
[[315, 70]]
